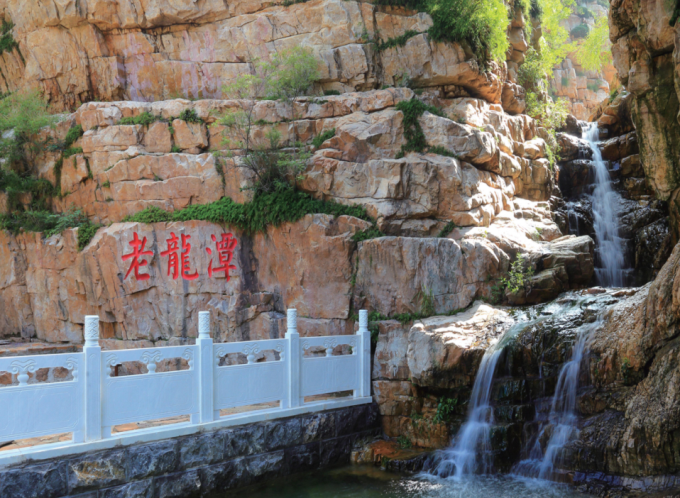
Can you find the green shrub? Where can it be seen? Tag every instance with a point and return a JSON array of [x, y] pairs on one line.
[[320, 139], [328, 93], [594, 53], [13, 185], [144, 119], [580, 31], [593, 86], [72, 151], [175, 149], [445, 408], [565, 81], [86, 233], [42, 221], [584, 12], [190, 116], [7, 41], [26, 113], [441, 151], [519, 275], [255, 216], [369, 233], [482, 24], [404, 443], [73, 134]]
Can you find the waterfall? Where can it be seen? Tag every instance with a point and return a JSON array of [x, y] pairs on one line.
[[605, 202], [471, 453], [563, 417]]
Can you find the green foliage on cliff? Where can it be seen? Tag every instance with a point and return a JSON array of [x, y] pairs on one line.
[[270, 209], [519, 275], [413, 132], [369, 233], [320, 139], [398, 41], [445, 408], [481, 24], [144, 119], [288, 76], [7, 41], [14, 185], [22, 116], [43, 221], [595, 51]]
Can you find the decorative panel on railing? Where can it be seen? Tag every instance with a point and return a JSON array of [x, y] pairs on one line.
[[154, 395], [251, 383], [329, 374], [42, 408]]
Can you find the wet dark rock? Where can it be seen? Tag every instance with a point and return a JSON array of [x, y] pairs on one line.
[[97, 470], [573, 126], [576, 176], [281, 434], [335, 451], [632, 167], [203, 449], [653, 246], [247, 440], [302, 458], [35, 481], [617, 148], [179, 485], [224, 476], [318, 426], [263, 467], [139, 489], [152, 459]]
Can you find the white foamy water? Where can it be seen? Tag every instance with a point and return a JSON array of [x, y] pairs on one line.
[[562, 421], [605, 204]]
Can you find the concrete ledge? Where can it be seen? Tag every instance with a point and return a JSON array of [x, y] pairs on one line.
[[198, 464]]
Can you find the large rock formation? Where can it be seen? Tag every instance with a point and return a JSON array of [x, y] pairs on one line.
[[91, 50], [645, 50]]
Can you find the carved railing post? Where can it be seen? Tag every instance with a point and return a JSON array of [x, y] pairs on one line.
[[93, 379], [206, 369], [364, 355], [293, 358]]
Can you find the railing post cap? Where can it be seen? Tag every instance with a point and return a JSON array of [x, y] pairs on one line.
[[91, 331], [203, 324], [363, 319], [291, 316]]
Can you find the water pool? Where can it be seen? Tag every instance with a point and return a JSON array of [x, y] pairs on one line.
[[370, 482]]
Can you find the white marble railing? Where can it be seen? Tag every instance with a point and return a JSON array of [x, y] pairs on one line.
[[93, 399]]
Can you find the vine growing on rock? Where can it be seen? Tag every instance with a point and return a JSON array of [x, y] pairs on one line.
[[266, 209], [413, 132]]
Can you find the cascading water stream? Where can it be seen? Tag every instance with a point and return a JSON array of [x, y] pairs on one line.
[[563, 417], [471, 453], [605, 203]]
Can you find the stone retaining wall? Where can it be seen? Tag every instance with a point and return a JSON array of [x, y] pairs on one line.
[[200, 465]]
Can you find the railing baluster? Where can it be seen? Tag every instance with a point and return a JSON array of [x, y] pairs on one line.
[[364, 355], [293, 360], [206, 369], [93, 379]]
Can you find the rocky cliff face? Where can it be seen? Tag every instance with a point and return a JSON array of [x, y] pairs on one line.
[[79, 51], [125, 168], [645, 54]]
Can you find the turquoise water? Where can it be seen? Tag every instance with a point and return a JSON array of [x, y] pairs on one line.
[[370, 482]]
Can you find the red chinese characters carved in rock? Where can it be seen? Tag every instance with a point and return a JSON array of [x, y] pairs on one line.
[[225, 252], [174, 258], [137, 253]]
